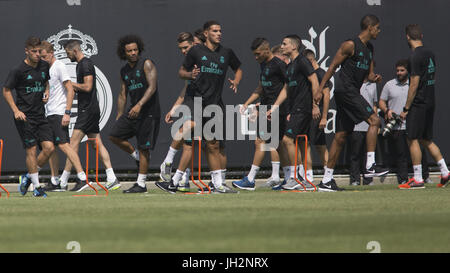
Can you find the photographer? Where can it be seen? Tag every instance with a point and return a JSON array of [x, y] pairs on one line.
[[393, 98]]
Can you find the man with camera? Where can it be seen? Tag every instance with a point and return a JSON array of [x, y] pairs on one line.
[[392, 99]]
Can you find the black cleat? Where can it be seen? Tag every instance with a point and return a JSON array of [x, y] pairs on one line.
[[136, 189]]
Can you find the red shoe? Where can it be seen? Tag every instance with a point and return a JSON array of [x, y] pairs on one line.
[[412, 184], [444, 181]]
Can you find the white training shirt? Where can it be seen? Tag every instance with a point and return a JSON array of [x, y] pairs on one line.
[[369, 92], [57, 101]]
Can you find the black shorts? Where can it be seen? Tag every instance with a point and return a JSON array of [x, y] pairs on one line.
[[34, 131], [351, 109], [88, 123], [317, 135], [298, 124], [60, 133], [145, 130], [419, 122], [197, 116], [261, 131]]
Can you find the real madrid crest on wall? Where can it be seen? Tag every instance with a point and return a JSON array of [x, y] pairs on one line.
[[89, 48]]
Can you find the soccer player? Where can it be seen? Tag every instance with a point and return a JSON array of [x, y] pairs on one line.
[[30, 81], [57, 111], [185, 41], [301, 91], [271, 81], [317, 127], [355, 57], [419, 108], [206, 66], [139, 81], [88, 114]]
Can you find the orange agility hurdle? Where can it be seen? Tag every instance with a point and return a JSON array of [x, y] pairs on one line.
[[1, 156], [202, 191], [96, 170], [306, 165]]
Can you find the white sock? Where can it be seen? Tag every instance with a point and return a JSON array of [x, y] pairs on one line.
[[286, 172], [213, 178], [217, 181], [443, 167], [54, 180], [310, 175], [418, 173], [328, 175], [82, 176], [223, 173], [64, 178], [177, 177], [110, 176], [141, 179], [35, 179], [170, 155], [370, 159], [276, 170], [301, 170], [135, 155], [292, 171], [253, 171]]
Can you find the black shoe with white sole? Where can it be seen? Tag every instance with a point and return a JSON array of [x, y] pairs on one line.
[[329, 186], [375, 170], [136, 189]]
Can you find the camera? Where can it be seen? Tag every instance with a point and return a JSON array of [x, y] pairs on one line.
[[391, 124]]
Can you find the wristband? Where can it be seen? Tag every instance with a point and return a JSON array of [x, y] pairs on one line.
[[67, 112], [405, 109]]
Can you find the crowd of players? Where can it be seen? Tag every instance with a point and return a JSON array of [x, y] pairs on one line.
[[291, 83]]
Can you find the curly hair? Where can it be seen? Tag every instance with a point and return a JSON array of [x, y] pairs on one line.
[[126, 40]]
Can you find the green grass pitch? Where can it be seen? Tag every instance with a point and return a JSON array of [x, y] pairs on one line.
[[256, 222]]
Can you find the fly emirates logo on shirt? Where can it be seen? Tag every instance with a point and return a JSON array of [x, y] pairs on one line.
[[89, 48], [213, 69]]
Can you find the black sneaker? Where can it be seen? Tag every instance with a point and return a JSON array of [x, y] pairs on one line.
[[375, 170], [329, 187], [80, 185], [136, 189], [52, 187], [167, 186], [210, 185]]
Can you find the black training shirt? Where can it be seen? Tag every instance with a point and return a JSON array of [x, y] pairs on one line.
[[320, 74], [273, 78], [213, 69], [423, 63], [355, 68], [29, 84], [136, 85], [87, 101], [299, 86]]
